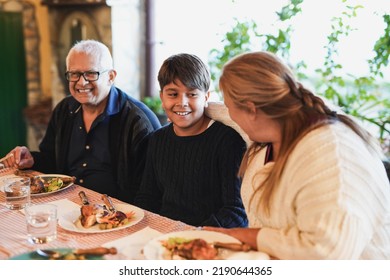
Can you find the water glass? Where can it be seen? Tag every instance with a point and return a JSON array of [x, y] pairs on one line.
[[17, 193], [41, 223]]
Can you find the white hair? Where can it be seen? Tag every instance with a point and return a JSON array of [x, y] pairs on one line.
[[94, 48]]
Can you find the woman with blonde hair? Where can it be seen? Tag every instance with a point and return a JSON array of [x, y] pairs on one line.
[[314, 185]]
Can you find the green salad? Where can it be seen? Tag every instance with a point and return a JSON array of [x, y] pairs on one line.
[[53, 184]]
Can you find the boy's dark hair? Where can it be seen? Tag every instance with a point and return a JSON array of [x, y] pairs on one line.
[[187, 68]]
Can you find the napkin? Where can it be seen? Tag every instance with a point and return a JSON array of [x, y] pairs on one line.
[[64, 206], [131, 246]]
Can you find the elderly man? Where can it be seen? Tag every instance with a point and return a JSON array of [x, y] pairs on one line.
[[99, 134]]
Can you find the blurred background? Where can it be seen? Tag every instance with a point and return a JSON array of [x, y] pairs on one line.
[[340, 49]]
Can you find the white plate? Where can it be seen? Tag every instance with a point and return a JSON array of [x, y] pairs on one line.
[[154, 250], [43, 176], [48, 177], [70, 221]]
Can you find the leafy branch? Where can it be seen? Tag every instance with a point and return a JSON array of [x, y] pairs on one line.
[[361, 97]]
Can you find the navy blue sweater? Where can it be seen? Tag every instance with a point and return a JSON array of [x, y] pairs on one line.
[[194, 179]]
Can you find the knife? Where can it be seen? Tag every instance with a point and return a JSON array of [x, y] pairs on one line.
[[233, 246], [56, 255], [98, 251]]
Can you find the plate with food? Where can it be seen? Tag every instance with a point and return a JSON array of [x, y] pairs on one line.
[[46, 184], [100, 217], [199, 245]]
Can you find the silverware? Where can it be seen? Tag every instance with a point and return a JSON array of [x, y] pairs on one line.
[[6, 157], [99, 251], [5, 251], [233, 246], [51, 254]]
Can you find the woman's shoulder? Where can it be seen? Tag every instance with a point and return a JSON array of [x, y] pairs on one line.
[[217, 111], [224, 132], [334, 142], [331, 134]]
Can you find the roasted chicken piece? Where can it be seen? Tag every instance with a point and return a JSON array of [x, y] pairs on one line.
[[88, 211], [37, 185], [68, 180], [111, 218], [105, 215], [195, 249]]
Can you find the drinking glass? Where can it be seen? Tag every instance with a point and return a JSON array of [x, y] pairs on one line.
[[17, 193], [41, 223]]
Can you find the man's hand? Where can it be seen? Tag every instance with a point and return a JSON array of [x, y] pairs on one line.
[[20, 157]]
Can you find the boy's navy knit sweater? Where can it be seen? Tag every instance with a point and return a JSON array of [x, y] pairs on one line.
[[194, 178]]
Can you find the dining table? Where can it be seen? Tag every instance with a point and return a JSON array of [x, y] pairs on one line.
[[129, 241]]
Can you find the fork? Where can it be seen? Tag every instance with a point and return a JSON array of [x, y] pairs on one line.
[[6, 157]]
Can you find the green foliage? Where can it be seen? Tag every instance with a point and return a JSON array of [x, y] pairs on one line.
[[382, 50], [239, 40], [290, 10], [154, 103], [236, 41], [361, 97]]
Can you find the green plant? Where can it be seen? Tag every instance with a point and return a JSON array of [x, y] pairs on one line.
[[361, 97], [237, 41], [154, 103]]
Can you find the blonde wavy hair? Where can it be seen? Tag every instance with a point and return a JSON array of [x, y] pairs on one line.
[[263, 79]]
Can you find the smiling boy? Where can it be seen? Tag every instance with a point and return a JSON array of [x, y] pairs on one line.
[[192, 163]]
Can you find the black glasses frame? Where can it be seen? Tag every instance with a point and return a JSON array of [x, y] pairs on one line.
[[84, 74]]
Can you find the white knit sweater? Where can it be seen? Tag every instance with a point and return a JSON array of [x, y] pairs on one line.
[[333, 201]]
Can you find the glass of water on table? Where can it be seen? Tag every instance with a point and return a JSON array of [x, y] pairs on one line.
[[17, 192], [41, 223]]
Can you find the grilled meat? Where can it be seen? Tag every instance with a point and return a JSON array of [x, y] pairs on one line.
[[105, 215], [37, 185], [195, 249], [88, 211]]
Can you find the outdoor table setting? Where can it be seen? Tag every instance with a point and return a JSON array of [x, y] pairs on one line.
[[128, 239], [142, 235]]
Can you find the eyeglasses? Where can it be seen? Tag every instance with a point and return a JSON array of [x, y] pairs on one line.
[[89, 76]]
